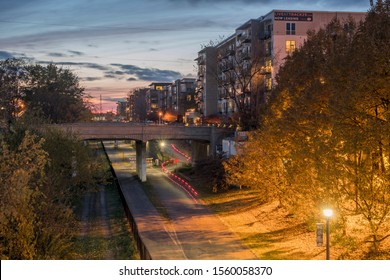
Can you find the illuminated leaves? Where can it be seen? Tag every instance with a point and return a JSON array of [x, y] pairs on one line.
[[325, 139]]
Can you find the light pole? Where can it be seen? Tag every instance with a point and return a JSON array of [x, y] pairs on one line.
[[159, 117], [327, 213]]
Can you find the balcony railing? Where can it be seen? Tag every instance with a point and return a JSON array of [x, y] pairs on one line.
[[227, 67], [266, 35], [245, 55]]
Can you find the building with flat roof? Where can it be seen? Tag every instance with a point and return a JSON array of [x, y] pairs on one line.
[[257, 48]]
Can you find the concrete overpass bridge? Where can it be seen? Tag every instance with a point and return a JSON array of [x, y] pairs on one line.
[[204, 139]]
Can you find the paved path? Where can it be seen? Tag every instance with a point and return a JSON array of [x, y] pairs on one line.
[[192, 232]]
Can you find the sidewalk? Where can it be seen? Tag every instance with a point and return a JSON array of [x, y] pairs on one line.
[[151, 225], [192, 232]]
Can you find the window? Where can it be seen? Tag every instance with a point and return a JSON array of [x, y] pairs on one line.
[[268, 66], [268, 83], [290, 28], [290, 46], [268, 48]]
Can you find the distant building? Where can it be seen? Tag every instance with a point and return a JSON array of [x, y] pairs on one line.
[[121, 108], [156, 100], [136, 105], [162, 101], [181, 97]]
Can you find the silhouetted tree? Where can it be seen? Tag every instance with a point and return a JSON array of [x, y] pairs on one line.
[[56, 93], [12, 77]]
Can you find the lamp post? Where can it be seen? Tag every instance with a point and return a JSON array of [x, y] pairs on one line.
[[327, 213], [159, 117]]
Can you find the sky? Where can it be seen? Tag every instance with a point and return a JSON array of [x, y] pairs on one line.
[[114, 46]]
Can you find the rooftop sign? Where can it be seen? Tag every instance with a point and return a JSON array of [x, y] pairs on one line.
[[293, 16]]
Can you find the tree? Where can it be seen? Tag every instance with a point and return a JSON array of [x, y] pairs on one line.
[[12, 76], [240, 79], [213, 168], [325, 137], [32, 225], [56, 93]]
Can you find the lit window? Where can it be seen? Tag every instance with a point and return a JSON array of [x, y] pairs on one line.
[[268, 83], [290, 28], [290, 46], [268, 66]]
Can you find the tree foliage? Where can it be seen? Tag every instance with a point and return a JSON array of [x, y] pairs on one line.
[[38, 187], [32, 226], [52, 92], [240, 77], [212, 168], [56, 92], [325, 138], [12, 76]]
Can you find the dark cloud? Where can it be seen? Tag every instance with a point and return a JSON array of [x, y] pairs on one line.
[[10, 5], [131, 79], [114, 99], [116, 73], [5, 55], [91, 79], [149, 74], [84, 64], [57, 54], [195, 2], [329, 3], [75, 52]]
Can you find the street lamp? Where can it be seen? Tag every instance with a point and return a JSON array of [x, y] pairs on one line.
[[159, 117], [327, 213]]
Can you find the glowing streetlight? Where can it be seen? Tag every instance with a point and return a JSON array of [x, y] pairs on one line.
[[327, 213], [159, 117]]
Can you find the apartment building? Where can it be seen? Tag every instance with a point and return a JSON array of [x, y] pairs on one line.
[[156, 99], [255, 50], [284, 31], [162, 101], [207, 84], [181, 97]]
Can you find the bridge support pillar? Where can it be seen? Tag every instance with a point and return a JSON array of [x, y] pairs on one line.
[[140, 148], [199, 150]]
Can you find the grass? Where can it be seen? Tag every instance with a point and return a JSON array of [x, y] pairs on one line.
[[267, 229], [272, 233], [96, 245], [93, 242]]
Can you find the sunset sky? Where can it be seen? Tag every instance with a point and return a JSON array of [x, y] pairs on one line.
[[117, 45]]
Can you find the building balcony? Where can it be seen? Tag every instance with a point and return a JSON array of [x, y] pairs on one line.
[[201, 61], [266, 35], [228, 52], [227, 67], [245, 55]]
